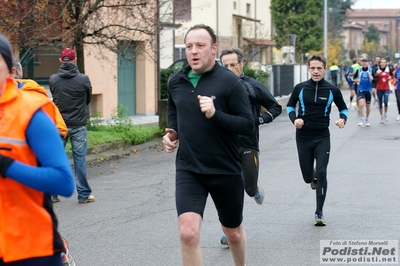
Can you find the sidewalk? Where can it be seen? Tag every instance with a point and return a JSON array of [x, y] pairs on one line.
[[110, 150]]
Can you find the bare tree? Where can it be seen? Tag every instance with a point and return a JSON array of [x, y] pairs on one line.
[[108, 24]]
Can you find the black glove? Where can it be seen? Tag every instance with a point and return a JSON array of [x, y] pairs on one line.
[[5, 162]]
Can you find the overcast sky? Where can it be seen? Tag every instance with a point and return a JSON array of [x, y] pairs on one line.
[[377, 4]]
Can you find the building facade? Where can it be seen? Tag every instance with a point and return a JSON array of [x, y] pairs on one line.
[[244, 24], [387, 21]]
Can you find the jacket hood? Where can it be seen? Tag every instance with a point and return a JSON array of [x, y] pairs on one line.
[[68, 70]]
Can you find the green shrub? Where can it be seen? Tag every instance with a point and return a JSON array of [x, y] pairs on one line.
[[164, 76], [257, 74], [119, 118], [95, 121]]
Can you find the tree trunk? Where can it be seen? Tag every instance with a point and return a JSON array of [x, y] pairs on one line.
[[79, 51], [80, 61]]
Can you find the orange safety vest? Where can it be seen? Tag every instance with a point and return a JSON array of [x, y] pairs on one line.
[[28, 225], [32, 86]]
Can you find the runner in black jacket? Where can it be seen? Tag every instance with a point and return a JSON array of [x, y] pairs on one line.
[[315, 97], [209, 146], [258, 94], [207, 108]]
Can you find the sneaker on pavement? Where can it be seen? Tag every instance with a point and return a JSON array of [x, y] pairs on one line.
[[319, 219], [367, 124], [386, 118], [91, 198], [398, 118], [362, 123], [259, 197], [67, 258], [224, 241], [55, 199], [382, 120]]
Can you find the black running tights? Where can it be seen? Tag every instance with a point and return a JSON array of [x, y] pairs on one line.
[[319, 150], [250, 167]]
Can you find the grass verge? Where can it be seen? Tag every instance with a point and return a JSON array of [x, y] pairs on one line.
[[102, 134]]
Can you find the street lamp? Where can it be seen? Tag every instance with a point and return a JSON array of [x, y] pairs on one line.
[[389, 37], [397, 33], [293, 38]]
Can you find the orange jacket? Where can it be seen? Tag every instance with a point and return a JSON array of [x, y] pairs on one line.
[[32, 86], [28, 226]]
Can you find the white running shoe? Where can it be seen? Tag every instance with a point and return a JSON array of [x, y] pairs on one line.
[[259, 197], [382, 120], [367, 124], [398, 118], [362, 123], [386, 118], [67, 258]]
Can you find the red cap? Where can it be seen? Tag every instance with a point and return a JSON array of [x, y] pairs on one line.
[[68, 54]]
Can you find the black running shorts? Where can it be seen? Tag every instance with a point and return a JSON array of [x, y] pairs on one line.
[[227, 192]]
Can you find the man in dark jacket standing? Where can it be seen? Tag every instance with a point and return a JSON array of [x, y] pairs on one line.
[[72, 92]]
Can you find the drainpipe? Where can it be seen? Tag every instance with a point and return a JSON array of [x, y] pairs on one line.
[[255, 17], [217, 27]]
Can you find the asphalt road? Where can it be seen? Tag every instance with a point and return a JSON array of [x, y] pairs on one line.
[[133, 221]]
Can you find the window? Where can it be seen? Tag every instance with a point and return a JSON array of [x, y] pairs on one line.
[[255, 54], [180, 52], [239, 34], [182, 9], [234, 5], [248, 9]]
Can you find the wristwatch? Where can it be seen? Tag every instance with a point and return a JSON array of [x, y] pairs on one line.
[[261, 120]]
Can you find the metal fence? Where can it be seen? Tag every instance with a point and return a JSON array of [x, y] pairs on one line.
[[40, 64], [284, 77]]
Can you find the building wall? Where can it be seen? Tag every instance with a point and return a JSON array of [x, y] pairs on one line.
[[218, 14], [101, 67], [166, 35], [384, 19], [146, 94]]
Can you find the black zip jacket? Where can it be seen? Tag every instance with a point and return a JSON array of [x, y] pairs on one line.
[[209, 146], [315, 100], [71, 92], [260, 97]]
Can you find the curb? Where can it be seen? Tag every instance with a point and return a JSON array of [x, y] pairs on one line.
[[107, 146], [111, 151]]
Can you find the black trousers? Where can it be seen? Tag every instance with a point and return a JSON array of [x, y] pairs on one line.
[[318, 150], [397, 92]]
